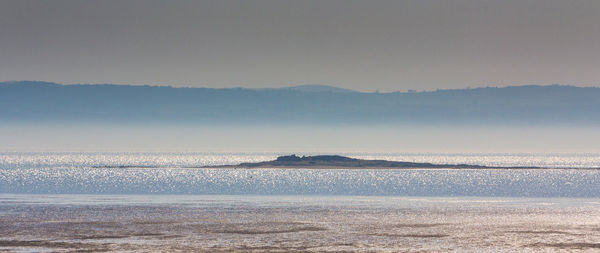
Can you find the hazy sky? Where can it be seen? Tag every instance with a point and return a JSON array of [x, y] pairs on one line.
[[363, 45]]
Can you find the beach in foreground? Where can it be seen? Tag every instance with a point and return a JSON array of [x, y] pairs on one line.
[[223, 223]]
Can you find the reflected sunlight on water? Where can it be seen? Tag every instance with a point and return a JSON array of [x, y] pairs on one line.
[[162, 204], [101, 173]]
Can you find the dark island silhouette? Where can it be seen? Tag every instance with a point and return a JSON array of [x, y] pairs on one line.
[[337, 161]]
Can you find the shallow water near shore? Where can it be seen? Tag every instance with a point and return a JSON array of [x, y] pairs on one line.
[[222, 223], [63, 202]]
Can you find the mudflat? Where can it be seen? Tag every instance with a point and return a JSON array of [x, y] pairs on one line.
[[298, 224]]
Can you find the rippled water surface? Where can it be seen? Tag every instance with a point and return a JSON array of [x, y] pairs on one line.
[[35, 160], [140, 173], [131, 202]]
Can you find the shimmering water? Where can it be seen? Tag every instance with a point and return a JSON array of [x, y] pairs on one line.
[[132, 202], [174, 173], [37, 160]]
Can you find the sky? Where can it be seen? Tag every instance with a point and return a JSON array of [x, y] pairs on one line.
[[363, 45]]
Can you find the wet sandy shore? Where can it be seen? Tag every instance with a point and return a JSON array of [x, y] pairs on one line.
[[95, 223]]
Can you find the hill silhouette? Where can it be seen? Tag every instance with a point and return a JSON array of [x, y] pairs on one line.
[[47, 102], [319, 88]]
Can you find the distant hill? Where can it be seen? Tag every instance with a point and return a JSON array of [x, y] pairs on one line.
[[48, 102], [319, 88]]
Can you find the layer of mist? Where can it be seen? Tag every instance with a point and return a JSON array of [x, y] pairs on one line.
[[299, 139]]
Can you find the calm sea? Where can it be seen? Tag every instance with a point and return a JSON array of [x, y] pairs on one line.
[[572, 175]]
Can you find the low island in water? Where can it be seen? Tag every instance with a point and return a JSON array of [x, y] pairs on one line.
[[337, 161]]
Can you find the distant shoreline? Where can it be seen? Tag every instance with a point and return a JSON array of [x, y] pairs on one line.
[[32, 102]]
